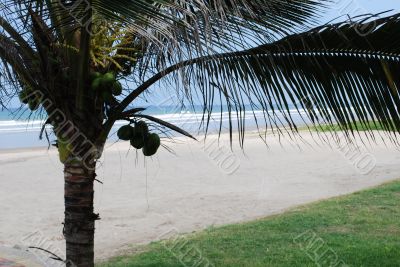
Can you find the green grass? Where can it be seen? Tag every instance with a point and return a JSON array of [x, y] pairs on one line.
[[357, 126], [362, 229]]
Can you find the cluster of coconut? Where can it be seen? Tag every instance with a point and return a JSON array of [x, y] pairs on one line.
[[106, 85], [140, 137], [27, 96]]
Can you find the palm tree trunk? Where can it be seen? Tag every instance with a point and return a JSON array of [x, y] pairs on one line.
[[79, 217]]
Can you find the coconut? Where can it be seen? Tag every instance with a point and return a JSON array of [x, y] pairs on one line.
[[117, 89], [108, 79], [137, 142], [96, 83], [138, 137], [151, 145], [142, 127], [125, 132], [95, 75]]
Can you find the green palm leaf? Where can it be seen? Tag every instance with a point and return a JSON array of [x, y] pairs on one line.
[[332, 72]]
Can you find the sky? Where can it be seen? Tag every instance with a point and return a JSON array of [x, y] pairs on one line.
[[339, 10], [359, 7]]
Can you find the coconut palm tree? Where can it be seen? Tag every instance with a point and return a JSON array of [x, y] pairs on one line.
[[84, 64]]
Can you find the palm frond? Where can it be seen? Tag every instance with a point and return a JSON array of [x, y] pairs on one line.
[[22, 65], [333, 73], [171, 30], [197, 28]]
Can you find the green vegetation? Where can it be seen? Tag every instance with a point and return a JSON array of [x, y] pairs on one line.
[[357, 126], [362, 229]]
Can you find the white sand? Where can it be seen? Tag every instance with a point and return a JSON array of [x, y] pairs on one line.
[[141, 200]]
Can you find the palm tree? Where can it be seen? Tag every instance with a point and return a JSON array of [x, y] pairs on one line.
[[86, 63]]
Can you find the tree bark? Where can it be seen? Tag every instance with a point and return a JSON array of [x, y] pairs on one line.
[[79, 224]]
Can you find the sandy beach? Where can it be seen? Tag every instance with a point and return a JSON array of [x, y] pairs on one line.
[[200, 185]]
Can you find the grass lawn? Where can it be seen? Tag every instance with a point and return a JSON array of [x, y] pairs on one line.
[[362, 229], [357, 126]]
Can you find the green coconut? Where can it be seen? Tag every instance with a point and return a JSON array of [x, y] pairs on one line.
[[138, 137], [125, 132], [96, 83], [142, 128], [108, 79], [151, 145], [137, 142], [117, 89], [95, 75]]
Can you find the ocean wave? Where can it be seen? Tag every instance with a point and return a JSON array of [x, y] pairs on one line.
[[179, 119], [6, 123]]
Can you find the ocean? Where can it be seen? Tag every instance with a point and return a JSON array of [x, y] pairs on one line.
[[21, 129]]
